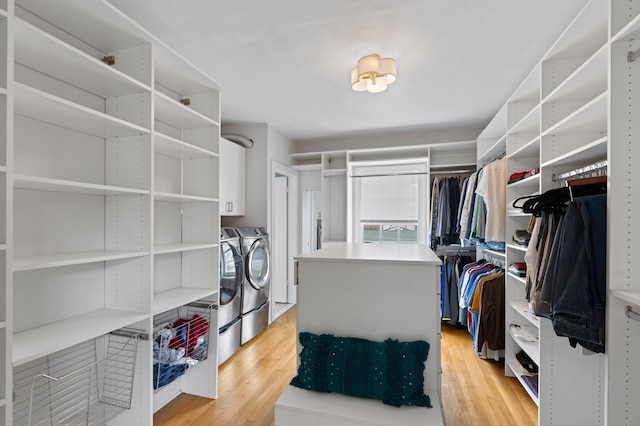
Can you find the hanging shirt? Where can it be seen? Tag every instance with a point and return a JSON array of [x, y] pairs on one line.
[[466, 207], [492, 186]]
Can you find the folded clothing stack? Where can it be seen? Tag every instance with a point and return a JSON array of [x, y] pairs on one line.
[[515, 177], [521, 237], [518, 268]]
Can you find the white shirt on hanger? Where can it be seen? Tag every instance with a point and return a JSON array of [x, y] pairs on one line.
[[492, 186]]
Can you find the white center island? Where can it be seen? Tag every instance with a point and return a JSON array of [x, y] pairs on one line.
[[375, 292]]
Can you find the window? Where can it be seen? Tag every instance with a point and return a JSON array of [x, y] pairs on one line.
[[389, 203]]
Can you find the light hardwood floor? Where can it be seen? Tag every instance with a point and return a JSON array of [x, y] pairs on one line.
[[474, 391]]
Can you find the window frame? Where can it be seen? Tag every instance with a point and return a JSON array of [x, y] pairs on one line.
[[357, 169]]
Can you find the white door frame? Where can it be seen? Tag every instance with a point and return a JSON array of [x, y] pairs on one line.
[[292, 225]]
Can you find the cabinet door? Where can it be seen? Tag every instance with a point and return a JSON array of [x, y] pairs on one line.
[[232, 178]]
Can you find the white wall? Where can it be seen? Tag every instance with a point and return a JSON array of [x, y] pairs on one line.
[[387, 138]]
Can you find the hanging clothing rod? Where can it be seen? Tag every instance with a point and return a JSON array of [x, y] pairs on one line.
[[577, 172], [390, 174], [497, 157], [629, 312], [494, 260], [452, 172], [456, 250]]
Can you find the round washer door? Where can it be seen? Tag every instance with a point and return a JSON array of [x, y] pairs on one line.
[[230, 272], [258, 264]]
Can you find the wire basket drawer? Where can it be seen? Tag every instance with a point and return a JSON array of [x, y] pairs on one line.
[[88, 384], [181, 340]]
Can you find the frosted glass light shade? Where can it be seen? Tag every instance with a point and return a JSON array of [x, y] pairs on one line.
[[388, 69], [357, 84], [376, 85], [373, 74]]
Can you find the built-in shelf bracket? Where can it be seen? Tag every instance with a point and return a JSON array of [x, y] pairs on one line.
[[185, 101], [109, 60], [632, 56], [629, 312]]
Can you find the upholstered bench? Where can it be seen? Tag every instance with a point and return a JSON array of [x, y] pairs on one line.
[[298, 407]]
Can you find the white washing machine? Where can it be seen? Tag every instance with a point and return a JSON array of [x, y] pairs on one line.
[[255, 290], [231, 280]]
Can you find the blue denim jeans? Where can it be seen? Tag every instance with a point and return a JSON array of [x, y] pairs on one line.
[[575, 283]]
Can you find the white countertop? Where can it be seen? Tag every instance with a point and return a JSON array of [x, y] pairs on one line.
[[392, 253]]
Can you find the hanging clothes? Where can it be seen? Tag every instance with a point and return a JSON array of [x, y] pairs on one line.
[[567, 283], [444, 207], [467, 206], [492, 187], [452, 266], [481, 303], [482, 216]]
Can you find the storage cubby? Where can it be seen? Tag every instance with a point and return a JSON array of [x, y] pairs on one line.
[[334, 162], [453, 157], [306, 161], [334, 207], [184, 348], [523, 105], [583, 37], [491, 142]]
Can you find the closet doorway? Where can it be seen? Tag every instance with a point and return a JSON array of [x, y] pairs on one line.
[[283, 202]]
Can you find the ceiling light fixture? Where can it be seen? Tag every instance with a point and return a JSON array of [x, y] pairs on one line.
[[373, 74]]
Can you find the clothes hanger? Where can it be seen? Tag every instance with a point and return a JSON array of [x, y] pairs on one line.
[[555, 200]]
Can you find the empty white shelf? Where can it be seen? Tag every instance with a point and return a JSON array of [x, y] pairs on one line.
[[58, 185], [174, 298], [175, 148], [27, 263], [39, 50], [179, 116], [591, 118], [632, 297], [178, 198], [589, 153], [181, 247], [39, 105], [41, 341]]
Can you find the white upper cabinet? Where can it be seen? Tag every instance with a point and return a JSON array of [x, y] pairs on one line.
[[232, 178]]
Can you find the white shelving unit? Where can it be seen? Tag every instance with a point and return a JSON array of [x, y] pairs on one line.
[[109, 197], [558, 120], [623, 374], [332, 168]]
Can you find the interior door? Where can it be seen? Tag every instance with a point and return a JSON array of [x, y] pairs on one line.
[[280, 278]]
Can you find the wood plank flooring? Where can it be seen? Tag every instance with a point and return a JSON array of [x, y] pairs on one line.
[[474, 391]]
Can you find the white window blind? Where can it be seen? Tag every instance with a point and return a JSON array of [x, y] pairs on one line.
[[389, 198]]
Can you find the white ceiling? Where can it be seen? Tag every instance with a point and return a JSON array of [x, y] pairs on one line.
[[287, 63]]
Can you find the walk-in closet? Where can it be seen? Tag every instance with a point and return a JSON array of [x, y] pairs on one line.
[[111, 204]]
